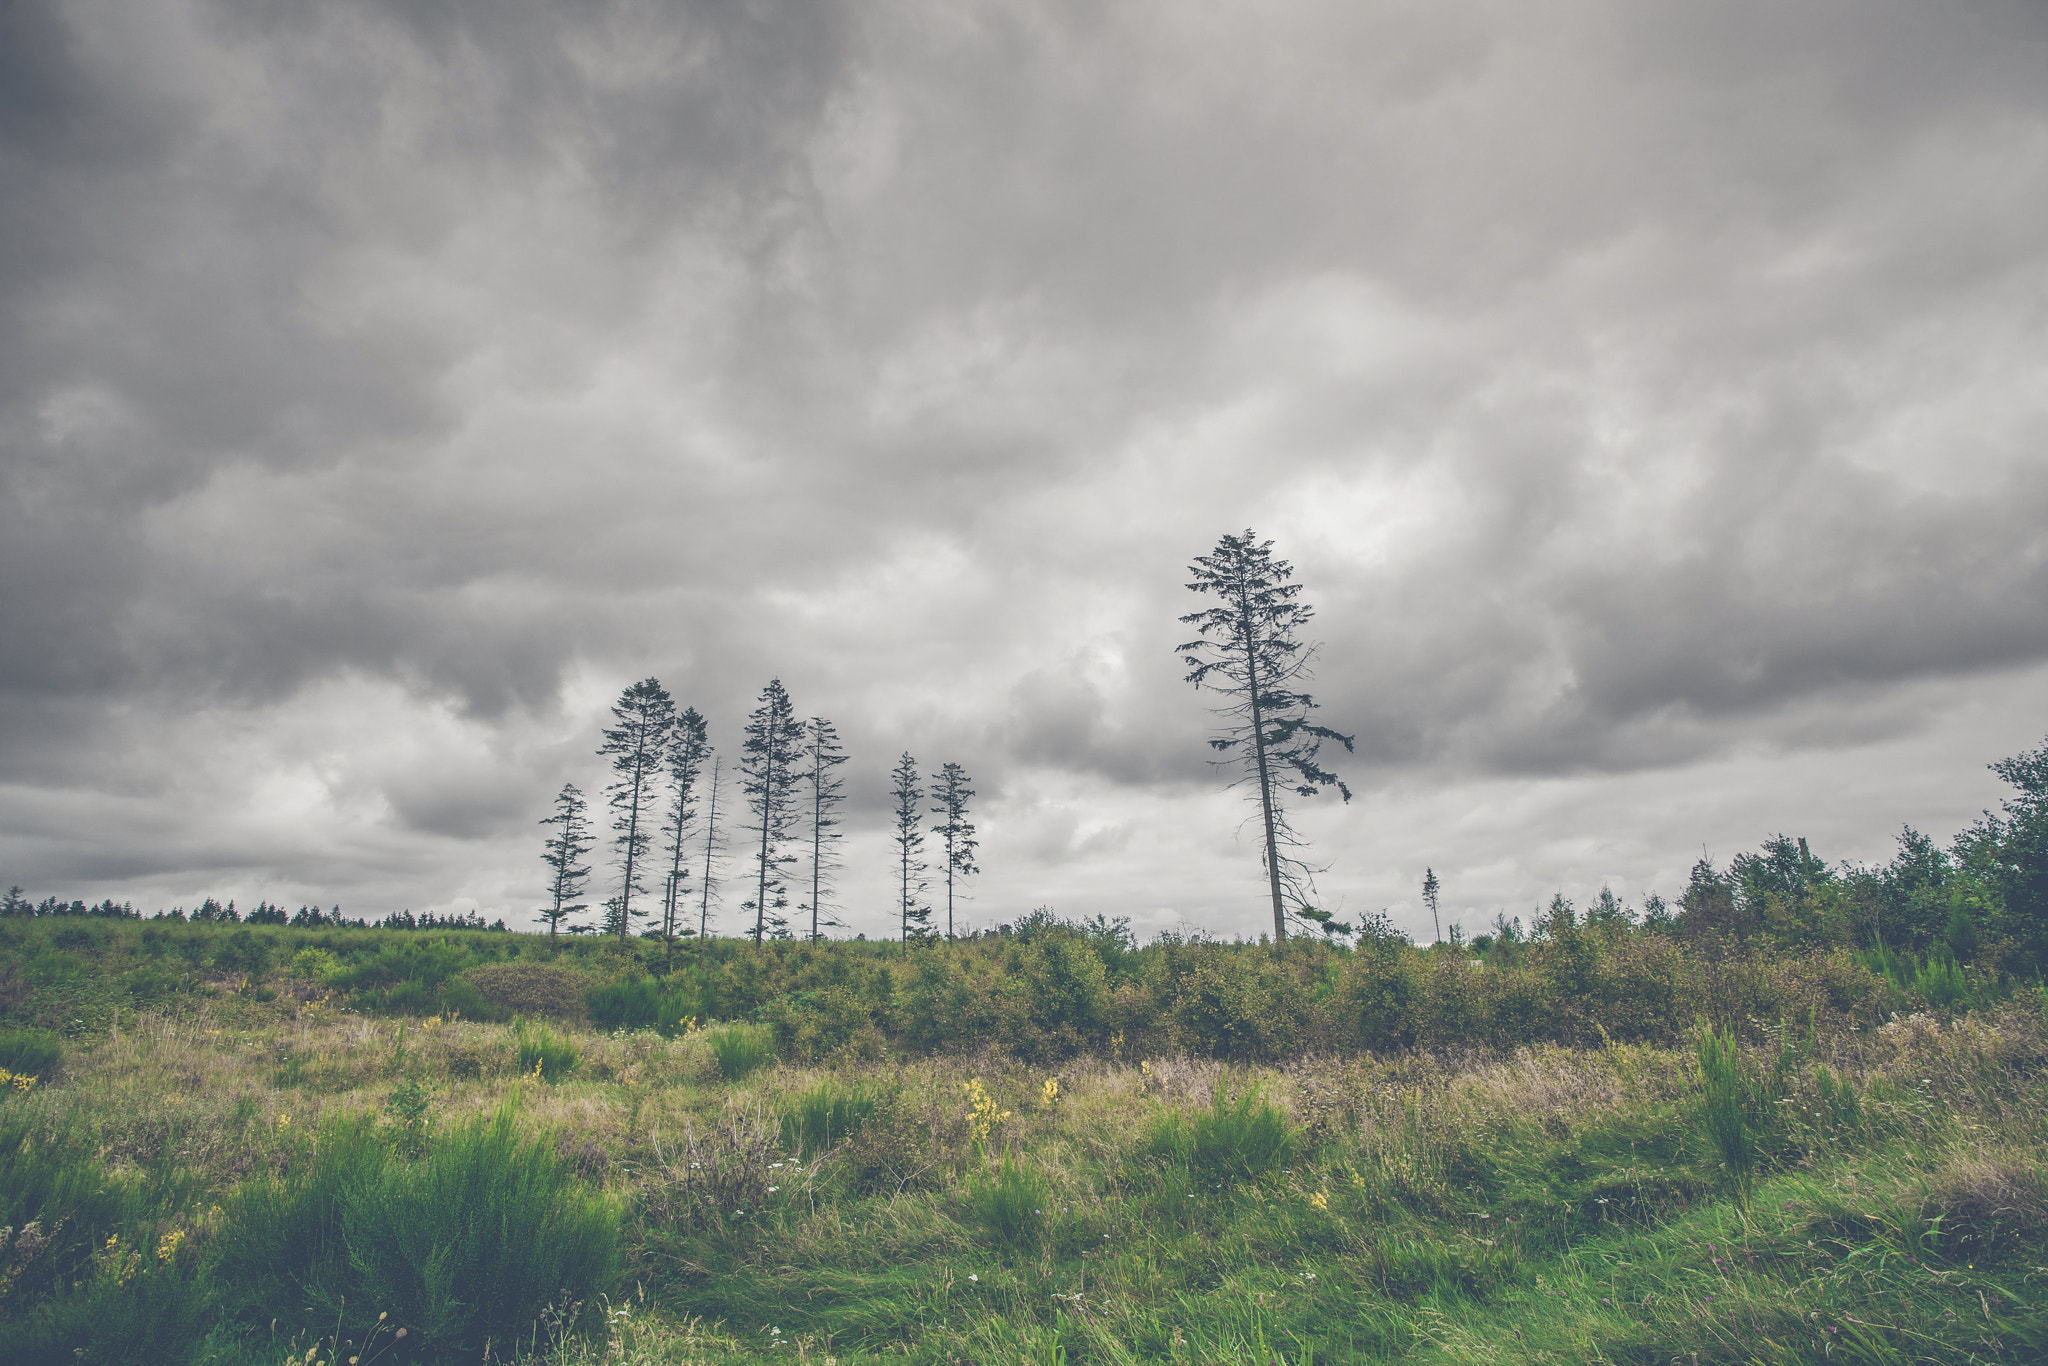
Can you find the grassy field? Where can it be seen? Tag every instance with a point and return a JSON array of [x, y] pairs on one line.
[[242, 1181]]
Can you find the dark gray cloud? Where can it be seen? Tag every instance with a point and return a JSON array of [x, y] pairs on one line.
[[1648, 395]]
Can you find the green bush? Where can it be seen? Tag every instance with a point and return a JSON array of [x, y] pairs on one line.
[[552, 990], [243, 952], [826, 1115], [469, 1244], [543, 1051], [29, 1052], [457, 996], [1012, 1204], [425, 962], [741, 1049], [313, 965], [1244, 1136], [810, 1025], [78, 1253]]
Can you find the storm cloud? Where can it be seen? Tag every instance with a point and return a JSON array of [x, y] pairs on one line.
[[1650, 396]]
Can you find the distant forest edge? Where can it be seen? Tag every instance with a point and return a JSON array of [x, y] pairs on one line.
[[1778, 933]]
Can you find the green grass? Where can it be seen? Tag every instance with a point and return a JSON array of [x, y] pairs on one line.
[[1886, 1201], [544, 1052], [826, 1115], [468, 1244], [1011, 1202], [741, 1049]]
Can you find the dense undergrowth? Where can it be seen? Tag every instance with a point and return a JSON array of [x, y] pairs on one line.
[[245, 1180], [1042, 993]]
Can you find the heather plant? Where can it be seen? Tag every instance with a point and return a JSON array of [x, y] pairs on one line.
[[550, 990]]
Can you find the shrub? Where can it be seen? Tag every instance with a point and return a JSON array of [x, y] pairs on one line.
[[1012, 1204], [551, 990], [1376, 995], [1248, 1007], [473, 1242], [426, 962], [457, 997], [313, 965], [1244, 1136], [467, 1245], [741, 1049], [75, 1268], [826, 1115], [543, 1051], [1067, 989], [243, 952], [810, 1025], [29, 1052]]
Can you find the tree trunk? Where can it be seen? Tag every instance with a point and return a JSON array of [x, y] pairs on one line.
[[1251, 673]]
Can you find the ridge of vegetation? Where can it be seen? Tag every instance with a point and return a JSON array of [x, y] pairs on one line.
[[1797, 1117]]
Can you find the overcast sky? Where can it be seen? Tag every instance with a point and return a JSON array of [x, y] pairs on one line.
[[1652, 397]]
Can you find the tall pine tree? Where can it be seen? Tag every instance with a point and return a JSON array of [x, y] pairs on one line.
[[565, 852], [688, 748], [771, 766], [956, 833], [916, 915], [707, 882], [822, 758], [1248, 649], [638, 746]]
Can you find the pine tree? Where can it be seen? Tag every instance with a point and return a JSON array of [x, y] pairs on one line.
[[822, 757], [688, 749], [916, 916], [564, 857], [638, 747], [771, 765], [706, 883], [955, 831], [1430, 888], [1248, 649]]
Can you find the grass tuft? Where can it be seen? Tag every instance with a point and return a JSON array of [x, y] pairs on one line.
[[826, 1116], [1238, 1137], [741, 1049], [545, 1053], [1012, 1202]]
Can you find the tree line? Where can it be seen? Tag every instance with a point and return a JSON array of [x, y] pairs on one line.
[[666, 775], [215, 912]]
